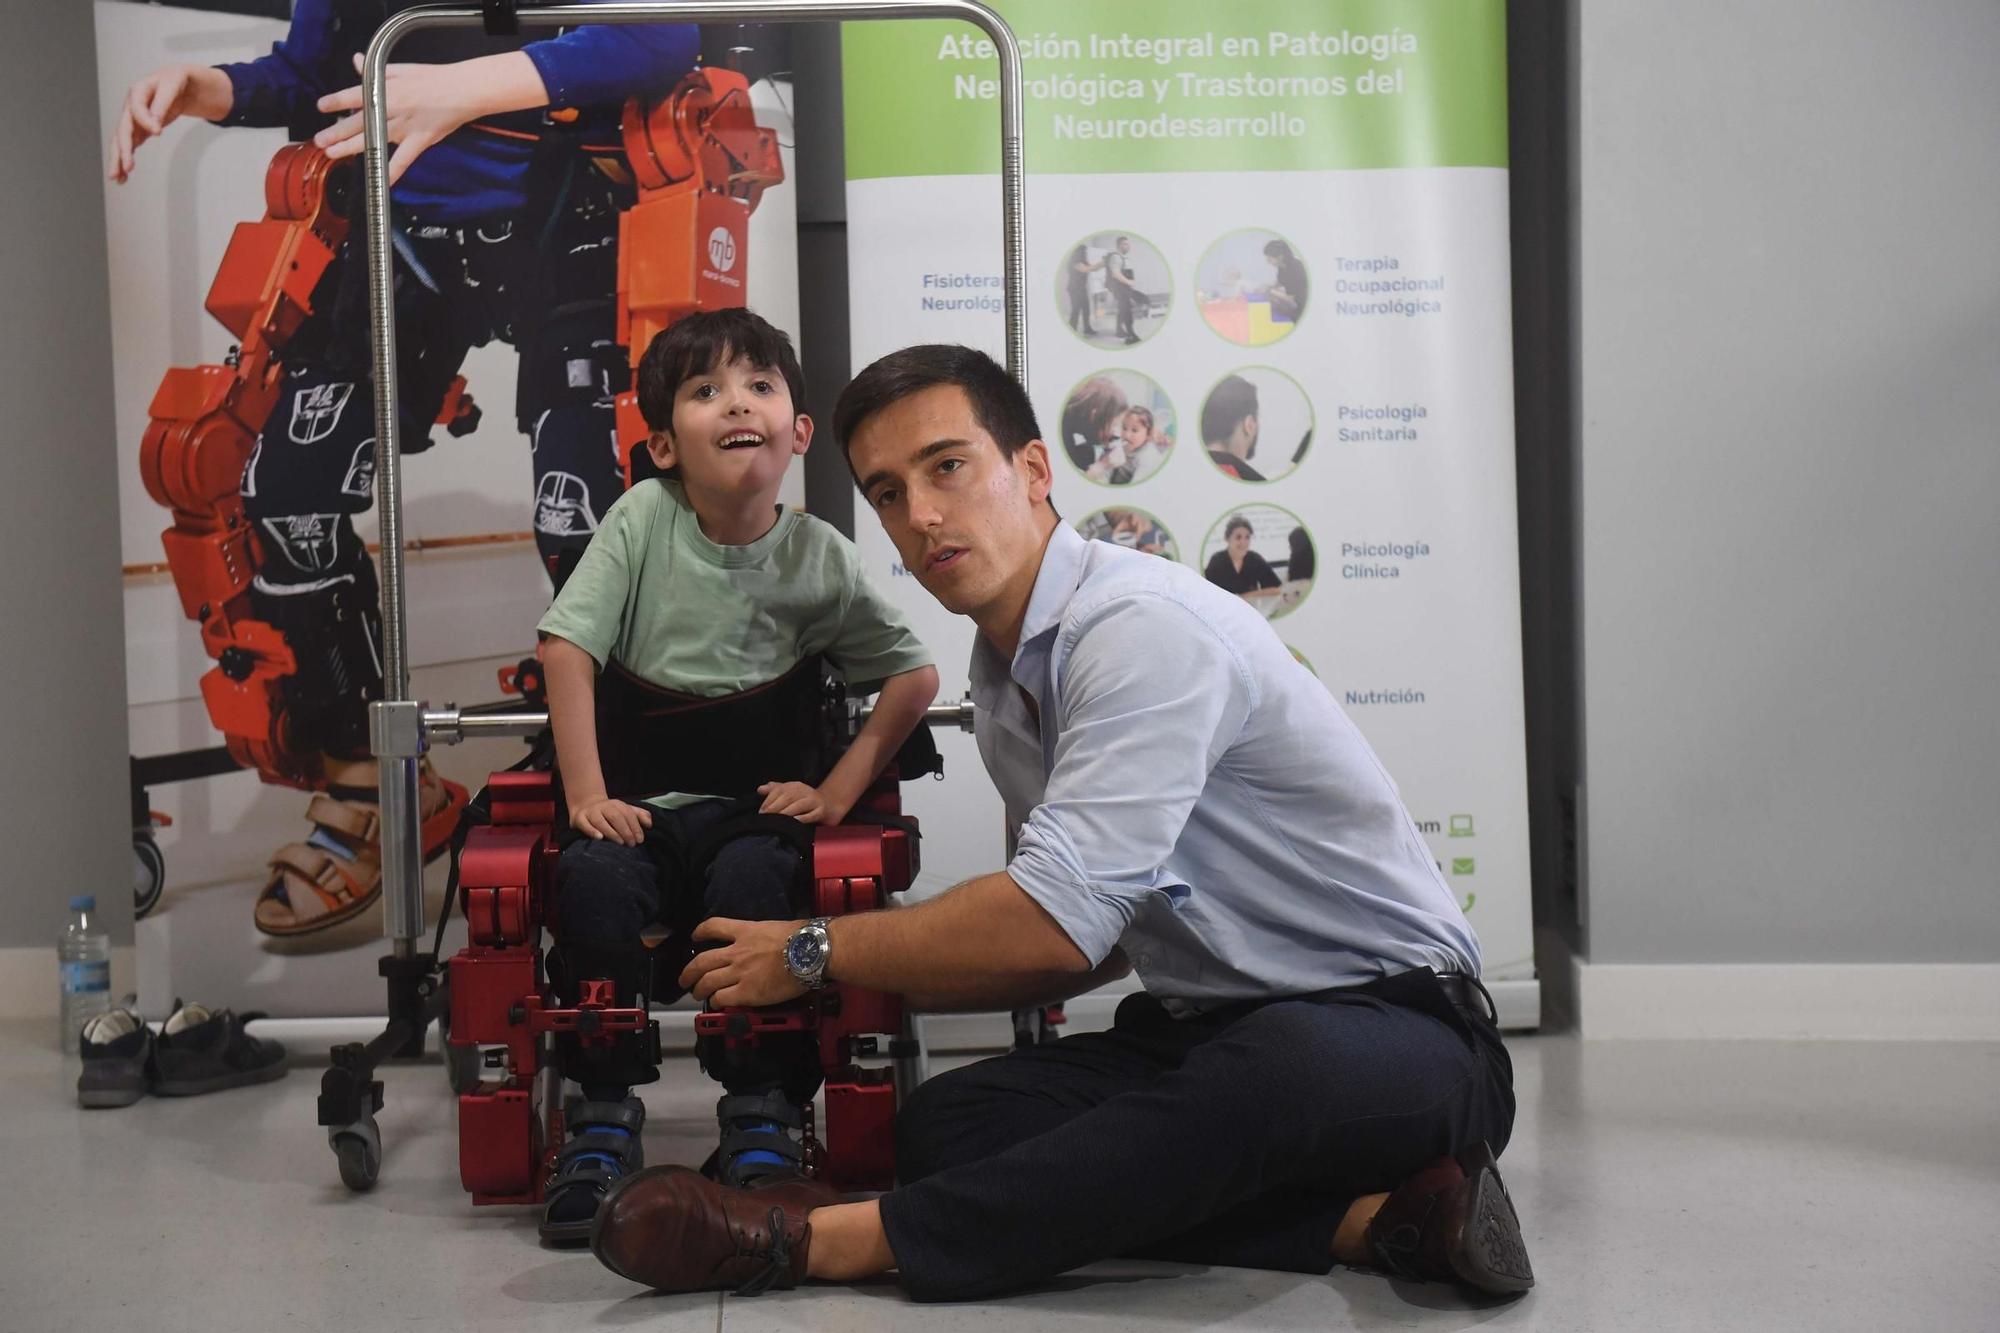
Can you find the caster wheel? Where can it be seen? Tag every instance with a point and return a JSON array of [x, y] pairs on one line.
[[149, 874], [461, 1067], [359, 1149], [461, 1063]]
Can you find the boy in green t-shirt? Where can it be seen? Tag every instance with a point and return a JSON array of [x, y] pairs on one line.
[[700, 583]]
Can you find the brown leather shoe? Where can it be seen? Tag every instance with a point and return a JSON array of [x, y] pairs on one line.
[[1453, 1222], [674, 1229]]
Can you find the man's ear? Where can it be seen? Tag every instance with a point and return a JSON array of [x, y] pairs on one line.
[[802, 433], [1033, 460], [660, 444]]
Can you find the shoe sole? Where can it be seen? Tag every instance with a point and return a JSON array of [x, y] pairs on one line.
[[242, 1078], [1487, 1252], [103, 1098], [569, 1235]]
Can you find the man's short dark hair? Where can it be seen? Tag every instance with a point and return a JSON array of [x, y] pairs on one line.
[[703, 342], [999, 404], [1228, 403]]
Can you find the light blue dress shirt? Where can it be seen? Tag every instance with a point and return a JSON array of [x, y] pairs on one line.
[[1195, 795]]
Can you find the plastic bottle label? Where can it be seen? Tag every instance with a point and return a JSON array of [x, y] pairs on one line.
[[84, 978]]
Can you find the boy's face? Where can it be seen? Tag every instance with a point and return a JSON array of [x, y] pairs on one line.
[[1135, 432], [735, 432]]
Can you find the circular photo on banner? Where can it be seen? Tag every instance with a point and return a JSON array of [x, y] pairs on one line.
[[1118, 427], [1113, 289], [1302, 659], [1251, 287], [1264, 555], [1256, 424], [1125, 526]]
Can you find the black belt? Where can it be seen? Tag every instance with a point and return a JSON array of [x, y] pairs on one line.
[[1468, 994]]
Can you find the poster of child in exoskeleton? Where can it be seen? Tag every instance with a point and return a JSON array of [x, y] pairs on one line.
[[511, 176]]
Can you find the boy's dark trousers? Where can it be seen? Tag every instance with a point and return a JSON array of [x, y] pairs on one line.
[[1239, 1137], [606, 894]]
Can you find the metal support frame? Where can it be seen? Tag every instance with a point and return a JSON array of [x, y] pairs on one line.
[[399, 726]]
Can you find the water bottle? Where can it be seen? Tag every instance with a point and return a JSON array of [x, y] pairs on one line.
[[83, 955]]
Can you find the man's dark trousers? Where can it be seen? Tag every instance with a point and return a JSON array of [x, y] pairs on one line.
[[1238, 1137]]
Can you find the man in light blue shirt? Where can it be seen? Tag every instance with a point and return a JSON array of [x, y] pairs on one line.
[[1311, 1075], [1199, 800]]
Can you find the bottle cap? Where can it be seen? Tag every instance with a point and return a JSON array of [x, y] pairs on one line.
[[83, 902]]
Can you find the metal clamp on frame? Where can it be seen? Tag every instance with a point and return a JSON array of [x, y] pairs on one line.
[[500, 18]]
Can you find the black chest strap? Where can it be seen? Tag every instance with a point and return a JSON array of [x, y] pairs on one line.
[[652, 740]]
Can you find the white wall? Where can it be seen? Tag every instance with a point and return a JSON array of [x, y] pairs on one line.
[[1789, 406], [64, 811]]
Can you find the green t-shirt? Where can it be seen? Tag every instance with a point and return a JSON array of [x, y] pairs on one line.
[[654, 594]]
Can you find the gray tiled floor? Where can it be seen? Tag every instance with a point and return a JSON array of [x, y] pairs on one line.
[[1662, 1185]]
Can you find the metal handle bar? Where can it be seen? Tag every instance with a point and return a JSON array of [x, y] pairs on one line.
[[449, 726]]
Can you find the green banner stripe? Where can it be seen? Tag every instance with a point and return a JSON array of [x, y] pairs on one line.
[[1186, 85]]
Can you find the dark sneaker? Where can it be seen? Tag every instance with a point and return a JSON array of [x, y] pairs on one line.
[[763, 1138], [604, 1147], [203, 1050], [117, 1050]]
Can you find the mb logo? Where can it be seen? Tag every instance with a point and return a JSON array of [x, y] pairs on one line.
[[722, 249], [317, 411]]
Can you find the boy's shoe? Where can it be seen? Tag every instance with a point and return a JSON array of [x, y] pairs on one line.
[[763, 1138], [117, 1052], [604, 1148], [1453, 1222], [202, 1050]]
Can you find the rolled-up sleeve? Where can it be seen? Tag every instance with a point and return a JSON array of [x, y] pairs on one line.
[[1148, 699], [600, 62]]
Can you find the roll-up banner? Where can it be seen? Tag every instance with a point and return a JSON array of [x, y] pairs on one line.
[[1269, 337]]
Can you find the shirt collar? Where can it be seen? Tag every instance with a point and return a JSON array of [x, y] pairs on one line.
[[1055, 584]]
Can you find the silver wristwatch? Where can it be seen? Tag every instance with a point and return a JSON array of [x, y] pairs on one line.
[[806, 953]]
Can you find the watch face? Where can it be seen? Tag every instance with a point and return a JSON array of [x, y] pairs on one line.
[[803, 953]]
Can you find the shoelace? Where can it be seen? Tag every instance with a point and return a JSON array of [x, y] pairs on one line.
[[780, 1266], [1399, 1250]]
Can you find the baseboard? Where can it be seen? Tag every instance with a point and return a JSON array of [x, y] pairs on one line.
[[28, 980], [1789, 1001]]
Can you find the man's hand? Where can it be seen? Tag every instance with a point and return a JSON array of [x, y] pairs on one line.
[[749, 967], [604, 817], [160, 99], [801, 800]]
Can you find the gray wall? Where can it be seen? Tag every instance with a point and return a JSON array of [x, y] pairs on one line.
[[65, 819], [1788, 377]]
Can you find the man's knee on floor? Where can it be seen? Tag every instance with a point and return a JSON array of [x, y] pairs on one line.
[[930, 1125]]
